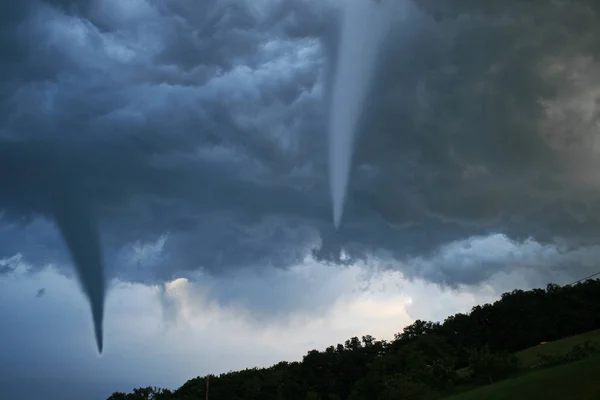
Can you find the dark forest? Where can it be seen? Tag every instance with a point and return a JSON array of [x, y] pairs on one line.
[[427, 360]]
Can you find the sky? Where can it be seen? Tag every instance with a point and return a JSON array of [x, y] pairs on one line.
[[164, 191]]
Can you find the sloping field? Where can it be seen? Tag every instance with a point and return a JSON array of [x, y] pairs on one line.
[[529, 357], [575, 381]]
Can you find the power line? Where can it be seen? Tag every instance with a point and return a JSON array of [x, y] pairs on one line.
[[584, 279]]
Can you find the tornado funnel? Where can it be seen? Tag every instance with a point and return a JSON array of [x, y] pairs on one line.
[[76, 223], [364, 25]]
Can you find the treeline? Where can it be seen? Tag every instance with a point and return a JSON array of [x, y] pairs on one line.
[[425, 361]]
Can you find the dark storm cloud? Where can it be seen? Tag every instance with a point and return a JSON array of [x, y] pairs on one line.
[[205, 122], [462, 136], [10, 264]]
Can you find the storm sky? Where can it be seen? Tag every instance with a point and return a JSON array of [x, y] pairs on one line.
[[172, 154]]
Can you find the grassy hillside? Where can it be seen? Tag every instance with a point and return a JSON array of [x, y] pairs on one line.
[[529, 357], [577, 380]]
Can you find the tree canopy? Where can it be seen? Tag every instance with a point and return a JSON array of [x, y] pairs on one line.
[[420, 363]]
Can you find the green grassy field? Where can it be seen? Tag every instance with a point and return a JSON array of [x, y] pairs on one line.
[[577, 380], [529, 357]]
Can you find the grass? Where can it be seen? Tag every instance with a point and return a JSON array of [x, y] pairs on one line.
[[577, 380], [529, 357]]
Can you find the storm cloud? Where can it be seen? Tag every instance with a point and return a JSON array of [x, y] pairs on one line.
[[162, 138]]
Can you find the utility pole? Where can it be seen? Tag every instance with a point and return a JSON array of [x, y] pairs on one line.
[[207, 385]]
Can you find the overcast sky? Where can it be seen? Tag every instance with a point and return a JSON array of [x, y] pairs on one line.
[[166, 162]]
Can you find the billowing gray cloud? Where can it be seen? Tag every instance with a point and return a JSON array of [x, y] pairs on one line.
[[201, 126]]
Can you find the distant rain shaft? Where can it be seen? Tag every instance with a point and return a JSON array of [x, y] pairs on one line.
[[364, 25]]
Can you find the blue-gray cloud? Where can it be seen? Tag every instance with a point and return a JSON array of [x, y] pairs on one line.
[[204, 123]]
